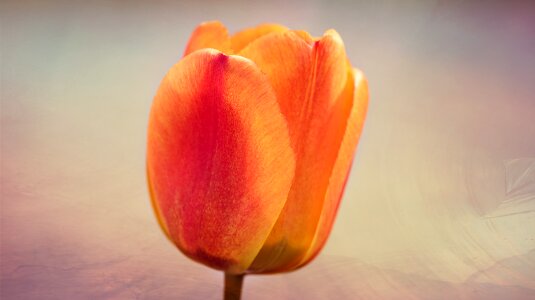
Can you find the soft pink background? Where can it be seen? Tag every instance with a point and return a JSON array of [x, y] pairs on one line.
[[440, 203]]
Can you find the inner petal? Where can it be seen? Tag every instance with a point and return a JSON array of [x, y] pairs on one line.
[[308, 80]]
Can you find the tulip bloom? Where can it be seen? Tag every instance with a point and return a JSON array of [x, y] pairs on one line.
[[250, 143]]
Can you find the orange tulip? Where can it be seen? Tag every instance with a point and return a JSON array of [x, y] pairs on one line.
[[250, 142]]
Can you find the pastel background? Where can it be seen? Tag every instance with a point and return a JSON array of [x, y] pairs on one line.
[[440, 203]]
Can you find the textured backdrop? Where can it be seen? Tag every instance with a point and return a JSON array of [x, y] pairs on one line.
[[440, 203]]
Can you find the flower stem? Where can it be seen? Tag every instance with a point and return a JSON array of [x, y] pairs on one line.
[[233, 286]]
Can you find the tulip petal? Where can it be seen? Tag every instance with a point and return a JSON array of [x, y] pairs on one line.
[[287, 61], [211, 34], [305, 36], [219, 159], [306, 78], [358, 102], [308, 81], [243, 38]]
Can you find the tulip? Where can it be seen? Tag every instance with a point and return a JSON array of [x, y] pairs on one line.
[[250, 141]]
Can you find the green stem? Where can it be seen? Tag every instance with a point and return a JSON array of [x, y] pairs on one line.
[[233, 286]]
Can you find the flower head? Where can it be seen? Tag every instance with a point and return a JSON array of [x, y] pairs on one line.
[[250, 142]]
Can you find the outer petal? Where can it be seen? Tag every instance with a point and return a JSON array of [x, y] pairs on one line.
[[306, 78], [219, 160], [343, 163], [211, 34], [287, 60], [308, 81], [243, 38]]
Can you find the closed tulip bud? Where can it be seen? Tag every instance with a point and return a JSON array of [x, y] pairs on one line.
[[250, 142]]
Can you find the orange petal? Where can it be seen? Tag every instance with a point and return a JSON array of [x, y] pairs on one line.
[[305, 36], [342, 166], [287, 61], [243, 38], [211, 34], [219, 159], [308, 81]]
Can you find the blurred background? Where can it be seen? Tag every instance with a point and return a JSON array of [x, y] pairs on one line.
[[440, 203]]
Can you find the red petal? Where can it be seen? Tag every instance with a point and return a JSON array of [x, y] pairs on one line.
[[219, 158]]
